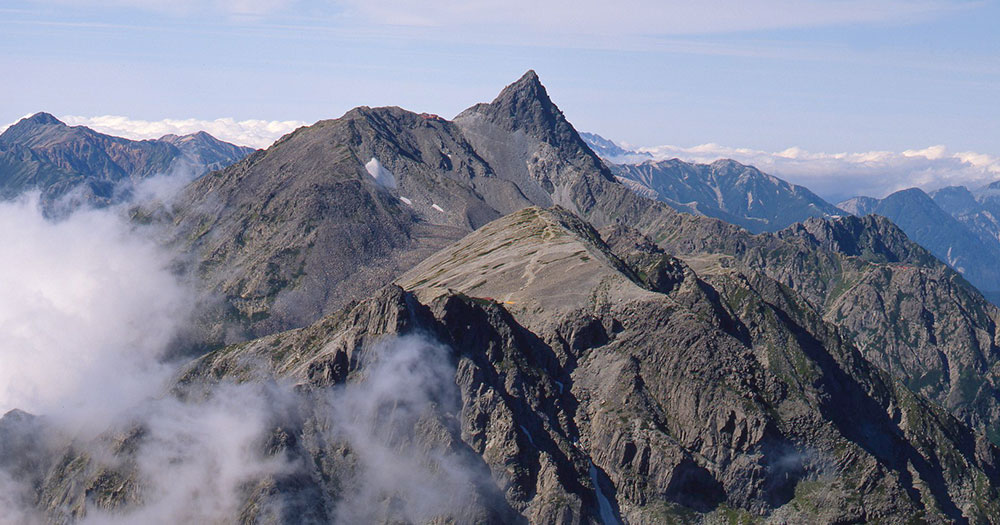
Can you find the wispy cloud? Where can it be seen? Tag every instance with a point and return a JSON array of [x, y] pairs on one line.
[[254, 133], [645, 16], [89, 306], [626, 17], [185, 7], [838, 176]]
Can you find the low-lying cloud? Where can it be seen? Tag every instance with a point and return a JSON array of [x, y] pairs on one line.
[[253, 133], [839, 176], [89, 306], [409, 386], [194, 458], [211, 454]]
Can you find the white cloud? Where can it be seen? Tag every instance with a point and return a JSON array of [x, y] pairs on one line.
[[410, 381], [254, 133], [564, 17], [648, 17], [88, 308], [195, 456], [837, 176], [237, 8]]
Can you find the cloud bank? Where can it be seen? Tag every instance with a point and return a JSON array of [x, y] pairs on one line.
[[409, 386], [838, 176], [195, 458], [253, 133], [88, 307], [217, 451]]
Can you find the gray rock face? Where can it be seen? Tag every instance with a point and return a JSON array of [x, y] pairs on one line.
[[42, 153], [528, 141], [325, 230], [905, 311], [588, 370], [303, 228], [727, 190]]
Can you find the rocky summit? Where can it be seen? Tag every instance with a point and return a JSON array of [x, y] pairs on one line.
[[410, 319]]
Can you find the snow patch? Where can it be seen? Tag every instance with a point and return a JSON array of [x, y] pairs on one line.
[[382, 176], [718, 197], [438, 208], [561, 386], [407, 201]]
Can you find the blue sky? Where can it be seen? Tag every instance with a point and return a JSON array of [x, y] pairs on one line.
[[826, 76]]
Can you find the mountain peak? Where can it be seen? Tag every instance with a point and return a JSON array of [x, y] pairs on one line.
[[910, 193], [526, 89], [39, 123], [43, 119], [525, 106], [529, 81]]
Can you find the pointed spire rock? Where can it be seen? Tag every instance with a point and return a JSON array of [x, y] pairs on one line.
[[558, 168], [525, 106], [528, 86]]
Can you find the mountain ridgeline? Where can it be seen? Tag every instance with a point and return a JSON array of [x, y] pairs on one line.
[[727, 190], [601, 357], [957, 225], [42, 153]]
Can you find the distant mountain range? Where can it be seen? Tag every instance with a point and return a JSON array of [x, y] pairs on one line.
[[42, 153], [611, 151], [956, 225], [978, 210], [960, 227], [607, 359], [727, 190]]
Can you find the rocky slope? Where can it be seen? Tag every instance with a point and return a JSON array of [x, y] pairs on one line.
[[905, 310], [304, 228], [727, 190], [595, 379], [336, 210], [42, 153]]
